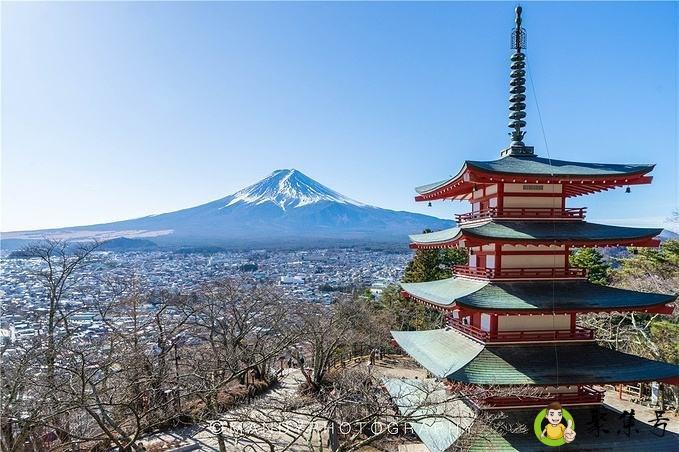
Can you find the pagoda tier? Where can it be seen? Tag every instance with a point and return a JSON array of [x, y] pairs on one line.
[[545, 233], [450, 355], [446, 418], [572, 178], [533, 297]]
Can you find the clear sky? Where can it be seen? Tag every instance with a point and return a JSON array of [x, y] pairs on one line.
[[112, 110]]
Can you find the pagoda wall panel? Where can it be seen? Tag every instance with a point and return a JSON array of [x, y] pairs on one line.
[[534, 261], [533, 248], [559, 389], [534, 323], [529, 201]]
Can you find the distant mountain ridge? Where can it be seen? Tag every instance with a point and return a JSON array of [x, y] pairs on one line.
[[287, 208]]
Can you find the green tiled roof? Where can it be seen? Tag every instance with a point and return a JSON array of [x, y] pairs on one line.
[[564, 363], [447, 353], [542, 166], [643, 437], [441, 352], [438, 416], [532, 295], [538, 230], [442, 236], [444, 291], [532, 165]]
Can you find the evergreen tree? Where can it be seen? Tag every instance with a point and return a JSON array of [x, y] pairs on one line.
[[431, 265], [661, 262], [591, 260], [406, 315]]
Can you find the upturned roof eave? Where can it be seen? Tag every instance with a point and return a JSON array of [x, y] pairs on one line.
[[534, 364], [487, 232], [450, 297], [449, 354], [436, 190]]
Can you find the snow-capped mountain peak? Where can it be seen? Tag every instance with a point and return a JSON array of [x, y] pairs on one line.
[[288, 188]]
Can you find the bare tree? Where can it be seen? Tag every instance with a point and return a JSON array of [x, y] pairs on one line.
[[326, 331], [33, 394], [60, 260], [241, 327]]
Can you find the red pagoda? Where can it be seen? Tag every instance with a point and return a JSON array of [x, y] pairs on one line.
[[511, 313]]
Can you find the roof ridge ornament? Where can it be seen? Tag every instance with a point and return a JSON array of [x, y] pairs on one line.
[[517, 90]]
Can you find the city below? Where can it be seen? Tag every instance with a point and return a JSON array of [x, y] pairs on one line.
[[314, 275]]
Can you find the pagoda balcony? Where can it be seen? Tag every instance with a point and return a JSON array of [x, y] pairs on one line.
[[579, 334], [586, 395], [520, 273], [524, 213]]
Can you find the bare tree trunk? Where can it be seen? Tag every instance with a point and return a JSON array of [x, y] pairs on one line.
[[221, 442]]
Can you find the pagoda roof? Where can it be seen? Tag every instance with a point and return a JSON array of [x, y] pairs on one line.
[[449, 354], [607, 438], [437, 416], [536, 232], [592, 176], [522, 296], [441, 352]]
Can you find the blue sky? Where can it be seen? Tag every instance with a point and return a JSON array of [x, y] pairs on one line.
[[112, 110]]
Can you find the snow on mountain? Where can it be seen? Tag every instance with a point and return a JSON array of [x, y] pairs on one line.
[[288, 188], [287, 208]]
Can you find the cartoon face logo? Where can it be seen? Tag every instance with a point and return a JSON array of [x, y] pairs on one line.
[[554, 425], [554, 414]]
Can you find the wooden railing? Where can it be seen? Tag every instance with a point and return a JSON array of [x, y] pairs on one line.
[[585, 395], [577, 213], [579, 334], [519, 273], [469, 330]]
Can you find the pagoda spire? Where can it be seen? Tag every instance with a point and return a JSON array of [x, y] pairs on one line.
[[517, 90]]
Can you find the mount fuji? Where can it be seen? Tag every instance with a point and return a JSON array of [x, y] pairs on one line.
[[284, 209]]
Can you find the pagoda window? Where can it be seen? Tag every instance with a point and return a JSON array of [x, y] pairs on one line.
[[485, 322]]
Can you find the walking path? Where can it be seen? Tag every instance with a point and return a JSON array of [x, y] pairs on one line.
[[261, 411], [265, 413], [641, 413]]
